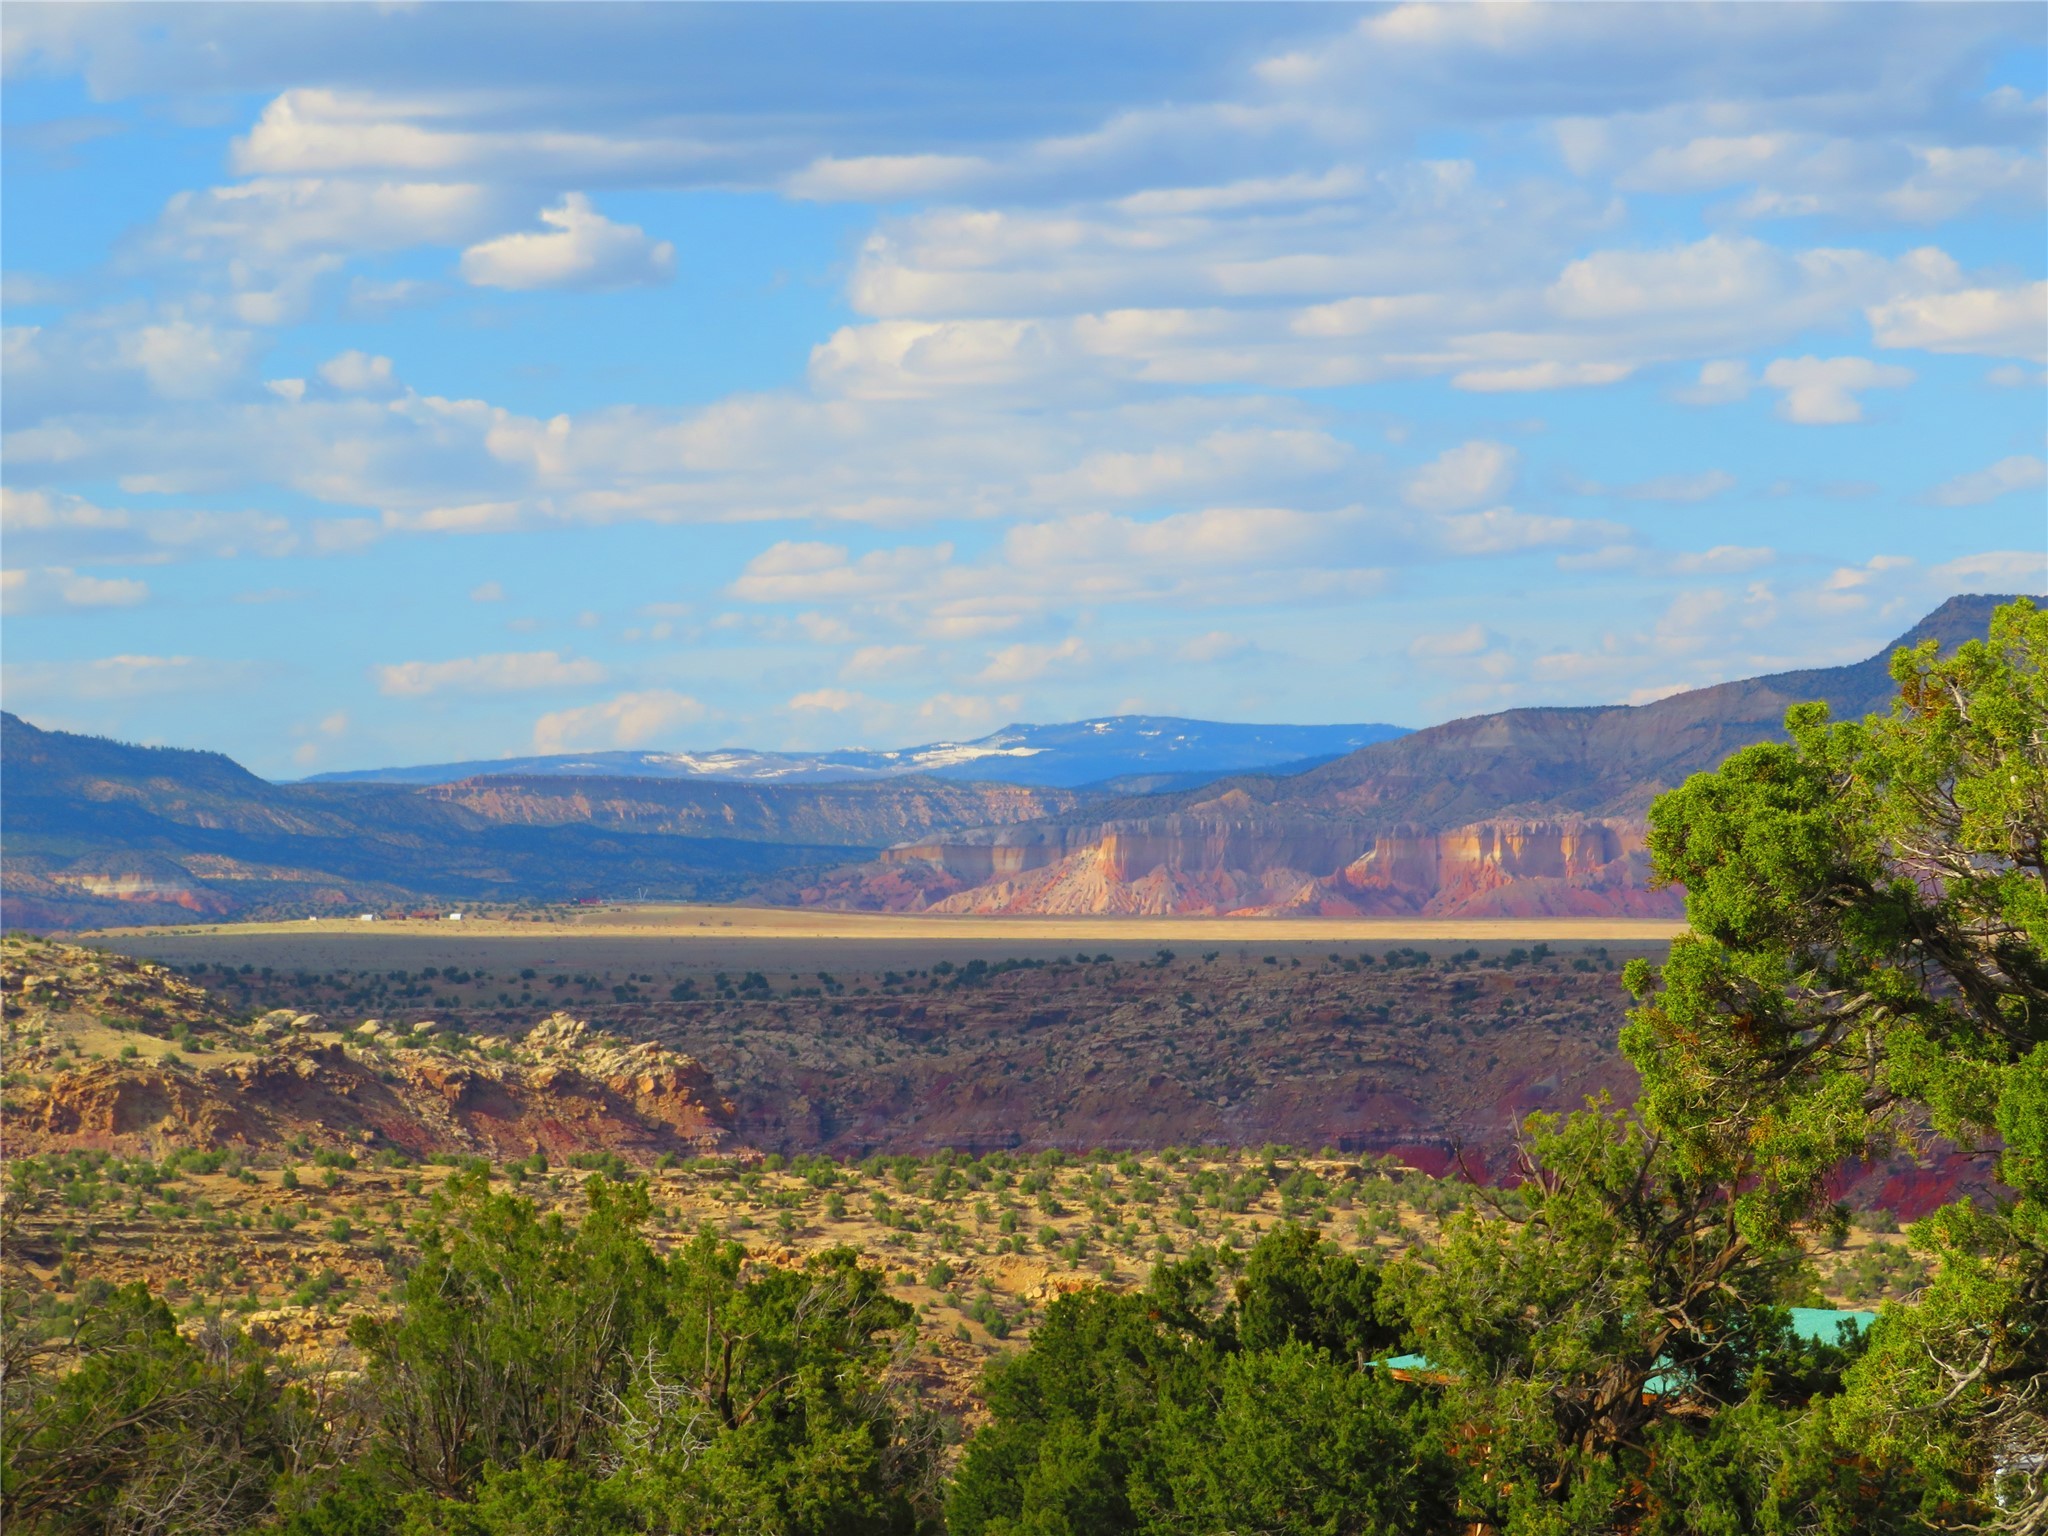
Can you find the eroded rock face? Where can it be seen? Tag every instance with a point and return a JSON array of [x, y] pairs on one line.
[[563, 1090], [1202, 863]]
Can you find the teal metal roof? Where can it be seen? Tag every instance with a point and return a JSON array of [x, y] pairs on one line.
[[1814, 1325]]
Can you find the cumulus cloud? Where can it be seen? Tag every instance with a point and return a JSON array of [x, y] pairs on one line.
[[630, 720], [1027, 663], [273, 222], [186, 360], [120, 678], [2020, 472], [1996, 322], [581, 248], [1822, 391], [64, 529], [801, 572], [1451, 644], [356, 373], [505, 672], [829, 700], [56, 587], [880, 661], [1462, 477], [1720, 382], [1998, 570]]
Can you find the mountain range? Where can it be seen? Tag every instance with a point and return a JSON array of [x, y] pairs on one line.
[[1524, 812], [1128, 752]]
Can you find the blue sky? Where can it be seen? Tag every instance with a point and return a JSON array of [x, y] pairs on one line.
[[396, 383]]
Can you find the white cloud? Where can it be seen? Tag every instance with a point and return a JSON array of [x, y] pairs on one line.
[[1999, 570], [57, 528], [2020, 472], [505, 672], [1720, 382], [880, 661], [1704, 486], [184, 360], [630, 720], [1027, 663], [829, 700], [1822, 391], [1995, 322], [1721, 560], [1503, 530], [1844, 589], [581, 249], [270, 222], [882, 178], [355, 372], [1469, 641], [48, 588], [1216, 645], [1528, 376], [789, 572], [487, 592], [966, 711], [1462, 477], [117, 678], [293, 390], [375, 300]]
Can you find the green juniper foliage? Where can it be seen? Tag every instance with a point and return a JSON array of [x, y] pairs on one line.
[[537, 1377], [1868, 964]]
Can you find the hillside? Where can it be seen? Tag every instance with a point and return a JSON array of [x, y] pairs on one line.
[[1530, 812], [1065, 756], [100, 832], [111, 1054]]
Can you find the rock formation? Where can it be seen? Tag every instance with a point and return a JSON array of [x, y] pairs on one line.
[[1531, 812], [205, 1080]]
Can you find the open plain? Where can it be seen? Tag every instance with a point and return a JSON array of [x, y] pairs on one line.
[[691, 937]]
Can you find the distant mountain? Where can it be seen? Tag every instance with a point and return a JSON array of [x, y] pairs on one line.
[[1528, 812], [101, 832], [1084, 752], [1531, 812]]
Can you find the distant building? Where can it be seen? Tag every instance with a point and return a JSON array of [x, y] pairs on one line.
[[454, 917], [367, 917]]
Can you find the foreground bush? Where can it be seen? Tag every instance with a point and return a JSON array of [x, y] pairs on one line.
[[536, 1377]]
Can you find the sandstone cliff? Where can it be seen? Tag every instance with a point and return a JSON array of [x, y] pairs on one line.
[[1531, 812]]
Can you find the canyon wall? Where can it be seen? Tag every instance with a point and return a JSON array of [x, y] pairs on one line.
[[1252, 865]]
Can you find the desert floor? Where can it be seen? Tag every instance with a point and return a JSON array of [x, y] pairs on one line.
[[679, 938]]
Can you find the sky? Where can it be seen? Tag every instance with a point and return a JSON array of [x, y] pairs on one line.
[[409, 383]]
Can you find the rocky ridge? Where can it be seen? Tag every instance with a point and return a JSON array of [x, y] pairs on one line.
[[1526, 813], [79, 1077]]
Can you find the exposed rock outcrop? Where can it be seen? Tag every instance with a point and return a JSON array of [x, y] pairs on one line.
[[637, 1101], [188, 1074], [1530, 812]]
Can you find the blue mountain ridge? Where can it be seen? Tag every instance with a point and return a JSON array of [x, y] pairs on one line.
[[1066, 756]]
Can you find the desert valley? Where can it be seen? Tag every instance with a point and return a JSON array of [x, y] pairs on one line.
[[1017, 770]]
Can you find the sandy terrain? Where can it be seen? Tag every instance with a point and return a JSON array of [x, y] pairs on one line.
[[678, 938]]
